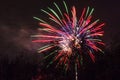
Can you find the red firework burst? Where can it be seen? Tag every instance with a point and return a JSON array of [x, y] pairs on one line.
[[73, 36]]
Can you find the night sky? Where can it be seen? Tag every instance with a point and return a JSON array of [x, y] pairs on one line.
[[19, 59]]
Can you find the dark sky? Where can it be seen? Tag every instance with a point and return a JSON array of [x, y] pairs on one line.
[[17, 24]]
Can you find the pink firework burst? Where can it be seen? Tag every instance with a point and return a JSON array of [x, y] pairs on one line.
[[73, 36]]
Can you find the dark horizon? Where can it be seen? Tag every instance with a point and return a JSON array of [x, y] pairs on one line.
[[19, 59]]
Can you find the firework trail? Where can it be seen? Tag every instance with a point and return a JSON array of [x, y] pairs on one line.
[[73, 36]]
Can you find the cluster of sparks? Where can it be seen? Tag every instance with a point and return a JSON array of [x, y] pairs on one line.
[[73, 36]]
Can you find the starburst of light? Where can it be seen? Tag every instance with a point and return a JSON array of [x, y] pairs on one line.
[[74, 36]]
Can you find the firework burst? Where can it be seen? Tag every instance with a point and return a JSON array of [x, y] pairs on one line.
[[72, 36]]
